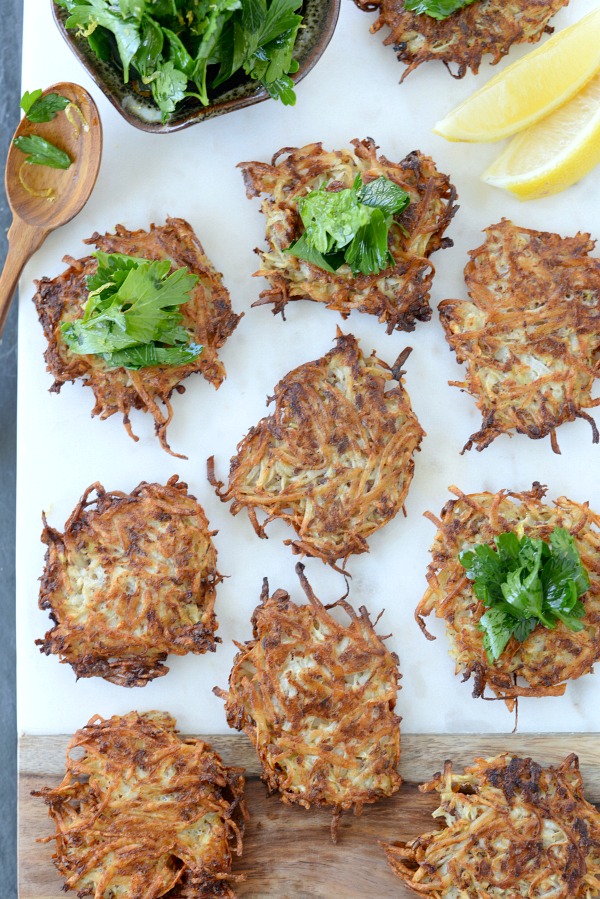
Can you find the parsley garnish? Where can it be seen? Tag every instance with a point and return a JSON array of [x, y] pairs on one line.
[[197, 43], [42, 109], [42, 152], [132, 316], [437, 9], [525, 582], [349, 226]]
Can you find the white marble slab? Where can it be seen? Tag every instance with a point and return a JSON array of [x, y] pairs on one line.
[[352, 92]]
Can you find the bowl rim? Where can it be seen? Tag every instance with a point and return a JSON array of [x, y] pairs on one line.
[[201, 113]]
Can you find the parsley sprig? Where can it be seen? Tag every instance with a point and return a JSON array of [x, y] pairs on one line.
[[182, 48], [437, 9], [349, 226], [132, 317], [38, 108], [525, 582], [38, 150]]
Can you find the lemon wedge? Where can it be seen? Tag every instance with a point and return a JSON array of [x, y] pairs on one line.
[[555, 153], [530, 88]]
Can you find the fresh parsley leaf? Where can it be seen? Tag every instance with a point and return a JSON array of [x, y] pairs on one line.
[[87, 15], [41, 152], [168, 86], [341, 227], [385, 195], [149, 355], [497, 629], [524, 583], [148, 54], [132, 317], [29, 98], [303, 249], [437, 9], [42, 109]]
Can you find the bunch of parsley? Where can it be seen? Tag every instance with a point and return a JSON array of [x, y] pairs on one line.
[[174, 44], [525, 582], [132, 316], [349, 226]]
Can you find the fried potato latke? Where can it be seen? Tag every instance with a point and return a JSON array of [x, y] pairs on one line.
[[334, 460], [207, 316], [317, 700], [512, 829], [132, 579], [530, 335], [142, 813], [467, 35], [541, 664], [399, 295]]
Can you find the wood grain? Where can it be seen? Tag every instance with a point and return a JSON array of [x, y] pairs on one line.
[[288, 853]]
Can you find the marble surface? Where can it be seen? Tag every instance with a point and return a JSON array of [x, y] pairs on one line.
[[352, 92]]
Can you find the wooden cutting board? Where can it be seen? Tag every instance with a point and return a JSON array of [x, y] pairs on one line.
[[288, 853]]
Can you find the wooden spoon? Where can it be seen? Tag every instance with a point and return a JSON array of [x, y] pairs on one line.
[[76, 130]]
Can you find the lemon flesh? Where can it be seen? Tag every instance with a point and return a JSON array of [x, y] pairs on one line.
[[530, 88], [555, 153]]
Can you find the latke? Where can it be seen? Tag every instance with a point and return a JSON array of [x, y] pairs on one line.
[[143, 813], [398, 295], [334, 459], [132, 578], [543, 663], [512, 830], [485, 27], [530, 334], [207, 316], [316, 698]]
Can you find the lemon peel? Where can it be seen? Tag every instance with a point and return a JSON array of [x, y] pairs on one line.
[[529, 89], [555, 153]]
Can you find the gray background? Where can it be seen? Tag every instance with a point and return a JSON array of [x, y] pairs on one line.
[[10, 78]]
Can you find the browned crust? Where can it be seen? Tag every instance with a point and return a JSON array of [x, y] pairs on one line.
[[207, 316], [512, 829], [398, 296], [321, 738], [127, 807], [152, 572], [530, 334], [335, 459], [547, 659], [485, 27]]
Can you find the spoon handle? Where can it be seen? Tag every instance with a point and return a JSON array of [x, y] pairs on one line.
[[23, 241]]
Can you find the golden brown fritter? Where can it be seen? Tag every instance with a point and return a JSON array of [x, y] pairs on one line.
[[467, 35], [143, 813], [399, 295], [530, 335], [317, 700], [541, 665], [207, 316], [334, 459], [512, 830], [132, 579]]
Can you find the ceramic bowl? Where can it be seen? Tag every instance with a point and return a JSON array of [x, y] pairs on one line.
[[320, 18]]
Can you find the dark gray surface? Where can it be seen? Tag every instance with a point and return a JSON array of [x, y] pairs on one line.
[[10, 78]]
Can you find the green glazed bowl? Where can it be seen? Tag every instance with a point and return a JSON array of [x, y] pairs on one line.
[[320, 18]]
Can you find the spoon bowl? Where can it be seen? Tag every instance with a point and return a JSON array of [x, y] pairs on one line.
[[43, 198]]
